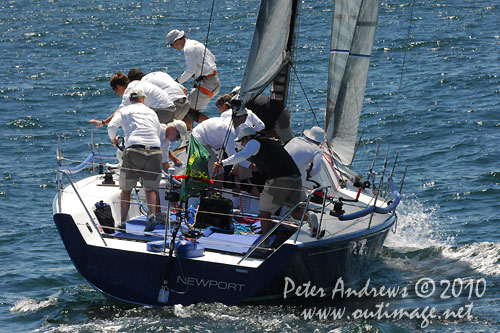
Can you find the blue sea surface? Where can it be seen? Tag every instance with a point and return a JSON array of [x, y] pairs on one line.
[[441, 113]]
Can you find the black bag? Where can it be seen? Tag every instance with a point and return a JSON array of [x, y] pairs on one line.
[[104, 216], [214, 212]]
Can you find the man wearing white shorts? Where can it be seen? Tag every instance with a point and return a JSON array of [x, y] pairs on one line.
[[200, 64]]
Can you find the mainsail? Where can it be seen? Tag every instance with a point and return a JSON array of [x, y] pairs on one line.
[[268, 50], [353, 31]]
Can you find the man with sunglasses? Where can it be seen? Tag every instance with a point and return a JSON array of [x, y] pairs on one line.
[[200, 64]]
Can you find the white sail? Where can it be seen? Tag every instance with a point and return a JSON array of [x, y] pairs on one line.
[[268, 51], [353, 31]]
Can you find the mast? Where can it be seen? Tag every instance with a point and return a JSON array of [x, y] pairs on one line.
[[279, 86]]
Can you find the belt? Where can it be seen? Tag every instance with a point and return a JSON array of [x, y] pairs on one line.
[[144, 147], [206, 91], [203, 77], [210, 75]]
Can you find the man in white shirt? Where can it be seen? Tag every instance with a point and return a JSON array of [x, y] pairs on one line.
[[169, 133], [306, 152], [142, 155], [242, 117], [156, 98], [175, 91], [200, 64], [215, 134]]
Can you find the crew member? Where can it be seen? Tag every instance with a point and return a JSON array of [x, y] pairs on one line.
[[283, 182], [200, 63], [216, 134], [306, 152], [169, 133], [142, 156], [175, 91], [156, 98]]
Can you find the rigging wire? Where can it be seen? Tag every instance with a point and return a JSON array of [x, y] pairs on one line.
[[167, 10], [295, 56], [307, 98], [400, 78], [206, 47], [335, 160]]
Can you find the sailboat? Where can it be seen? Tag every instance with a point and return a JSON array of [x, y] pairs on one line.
[[179, 262]]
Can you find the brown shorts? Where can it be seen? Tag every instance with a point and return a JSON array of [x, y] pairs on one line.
[[141, 163], [279, 191], [165, 115], [181, 108]]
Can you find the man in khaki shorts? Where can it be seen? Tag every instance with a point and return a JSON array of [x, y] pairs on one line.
[[200, 64], [142, 156]]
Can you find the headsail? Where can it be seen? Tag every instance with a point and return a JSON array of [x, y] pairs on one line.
[[353, 31], [268, 52]]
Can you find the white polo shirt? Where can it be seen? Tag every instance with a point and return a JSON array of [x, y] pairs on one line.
[[196, 58], [156, 98], [164, 81], [304, 152], [140, 125]]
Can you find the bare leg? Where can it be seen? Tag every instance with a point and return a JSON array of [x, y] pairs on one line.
[[189, 122], [157, 207], [151, 201], [266, 225], [202, 117], [124, 204], [297, 214], [192, 117]]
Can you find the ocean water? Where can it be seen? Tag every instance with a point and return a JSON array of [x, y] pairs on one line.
[[441, 114]]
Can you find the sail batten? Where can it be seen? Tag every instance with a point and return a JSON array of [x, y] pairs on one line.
[[353, 31]]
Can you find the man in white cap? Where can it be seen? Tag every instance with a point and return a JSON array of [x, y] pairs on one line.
[[142, 155], [200, 64], [307, 154], [242, 117], [169, 133], [306, 151], [175, 91], [283, 182]]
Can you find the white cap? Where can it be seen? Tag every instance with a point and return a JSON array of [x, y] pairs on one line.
[[137, 92], [245, 131], [316, 134], [181, 128], [174, 35]]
